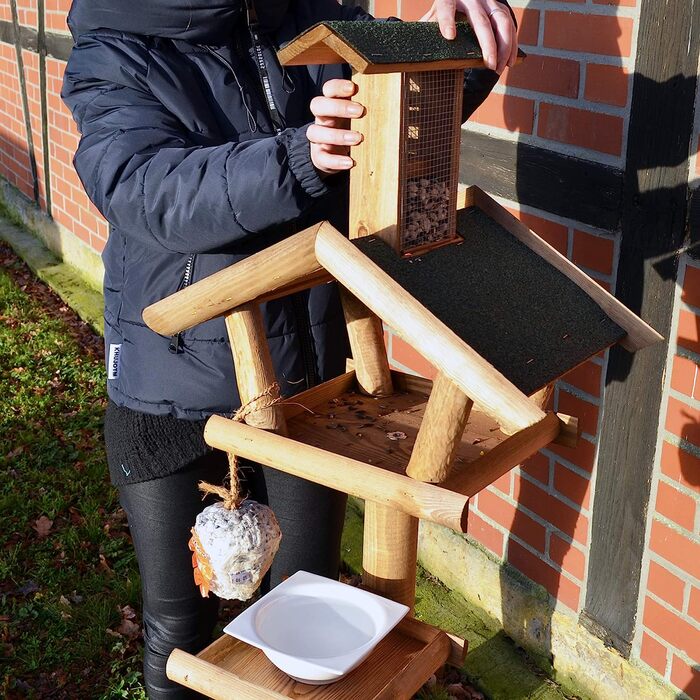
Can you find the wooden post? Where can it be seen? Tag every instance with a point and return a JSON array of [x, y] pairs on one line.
[[253, 365], [440, 433], [390, 552], [367, 345]]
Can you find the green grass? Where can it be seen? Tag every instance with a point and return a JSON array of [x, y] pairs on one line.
[[61, 589]]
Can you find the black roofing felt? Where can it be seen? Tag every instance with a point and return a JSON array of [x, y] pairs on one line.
[[520, 313], [406, 42]]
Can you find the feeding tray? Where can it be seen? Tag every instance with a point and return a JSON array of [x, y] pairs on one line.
[[314, 629], [396, 668]]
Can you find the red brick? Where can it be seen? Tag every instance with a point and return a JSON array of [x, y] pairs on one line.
[[686, 677], [557, 235], [607, 84], [594, 252], [676, 506], [667, 625], [485, 534], [413, 10], [602, 34], [580, 127], [568, 483], [683, 420], [691, 286], [585, 377], [585, 411], [654, 654], [503, 484], [385, 8], [551, 509], [683, 375], [403, 353], [675, 548], [554, 76], [694, 603], [583, 455], [537, 466], [567, 556], [619, 3], [689, 330], [506, 112], [665, 585], [528, 25], [539, 571], [521, 525]]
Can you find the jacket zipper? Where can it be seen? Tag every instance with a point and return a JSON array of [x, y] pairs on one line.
[[175, 346]]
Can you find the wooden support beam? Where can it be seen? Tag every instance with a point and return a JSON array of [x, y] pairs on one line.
[[367, 344], [484, 471], [374, 181], [389, 553], [255, 374], [283, 264], [412, 321], [425, 501], [440, 433]]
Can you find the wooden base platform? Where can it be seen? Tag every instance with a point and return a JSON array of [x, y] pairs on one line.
[[230, 669]]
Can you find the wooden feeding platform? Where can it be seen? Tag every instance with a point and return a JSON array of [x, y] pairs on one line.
[[498, 312], [397, 668]]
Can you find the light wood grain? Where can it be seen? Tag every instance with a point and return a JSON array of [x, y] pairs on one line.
[[336, 471], [440, 433], [374, 181], [389, 553], [276, 267], [428, 335], [484, 471], [255, 374], [307, 401], [639, 334], [367, 345]]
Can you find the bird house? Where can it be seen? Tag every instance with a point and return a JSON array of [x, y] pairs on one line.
[[498, 312], [404, 184]]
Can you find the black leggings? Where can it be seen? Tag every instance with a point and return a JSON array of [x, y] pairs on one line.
[[161, 513]]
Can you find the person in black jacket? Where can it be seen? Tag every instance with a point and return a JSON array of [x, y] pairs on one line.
[[197, 158]]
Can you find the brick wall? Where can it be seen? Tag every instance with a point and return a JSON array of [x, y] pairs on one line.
[[571, 96]]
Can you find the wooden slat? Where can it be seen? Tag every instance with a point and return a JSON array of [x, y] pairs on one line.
[[440, 432], [252, 361], [639, 334], [285, 263], [313, 280], [366, 336], [484, 471], [389, 553], [374, 181], [307, 400], [428, 335], [336, 471]]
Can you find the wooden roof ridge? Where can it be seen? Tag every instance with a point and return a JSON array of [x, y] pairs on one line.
[[384, 47]]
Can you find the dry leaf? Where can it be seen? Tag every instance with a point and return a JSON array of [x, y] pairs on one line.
[[43, 526], [128, 629]]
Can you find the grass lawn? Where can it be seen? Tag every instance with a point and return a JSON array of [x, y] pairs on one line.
[[69, 585]]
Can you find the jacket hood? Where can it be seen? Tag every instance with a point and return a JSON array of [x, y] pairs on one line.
[[197, 21]]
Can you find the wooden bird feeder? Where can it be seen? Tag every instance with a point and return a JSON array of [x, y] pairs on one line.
[[496, 310]]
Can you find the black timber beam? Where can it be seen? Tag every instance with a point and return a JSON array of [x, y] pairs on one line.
[[571, 187], [654, 233]]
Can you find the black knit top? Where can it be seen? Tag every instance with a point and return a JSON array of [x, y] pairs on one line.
[[141, 446]]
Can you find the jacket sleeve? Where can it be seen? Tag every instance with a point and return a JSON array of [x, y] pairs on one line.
[[141, 170]]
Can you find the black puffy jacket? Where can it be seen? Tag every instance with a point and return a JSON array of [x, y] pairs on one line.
[[179, 153]]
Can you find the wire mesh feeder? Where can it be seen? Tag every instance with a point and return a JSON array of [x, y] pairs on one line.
[[429, 157]]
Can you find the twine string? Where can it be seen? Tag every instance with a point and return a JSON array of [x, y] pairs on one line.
[[231, 494]]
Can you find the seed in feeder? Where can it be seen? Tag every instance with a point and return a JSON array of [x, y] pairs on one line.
[[396, 435]]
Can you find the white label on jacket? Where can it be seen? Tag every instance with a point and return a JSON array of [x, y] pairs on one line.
[[114, 361]]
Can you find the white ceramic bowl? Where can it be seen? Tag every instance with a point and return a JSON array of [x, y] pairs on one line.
[[314, 629]]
